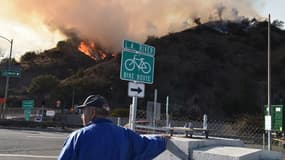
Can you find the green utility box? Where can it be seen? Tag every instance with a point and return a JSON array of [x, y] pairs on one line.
[[276, 117]]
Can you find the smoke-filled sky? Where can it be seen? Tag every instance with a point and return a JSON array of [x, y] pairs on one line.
[[38, 25]]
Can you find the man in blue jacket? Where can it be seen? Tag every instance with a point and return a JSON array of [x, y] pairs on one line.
[[100, 139]]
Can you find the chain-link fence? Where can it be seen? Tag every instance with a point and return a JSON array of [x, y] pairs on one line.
[[250, 134]]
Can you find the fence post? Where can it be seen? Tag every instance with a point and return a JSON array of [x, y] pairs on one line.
[[118, 121], [205, 118], [263, 141], [166, 111]]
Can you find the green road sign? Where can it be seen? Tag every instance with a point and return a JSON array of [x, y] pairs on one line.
[[13, 71], [137, 67], [28, 104], [276, 116], [10, 73], [142, 48]]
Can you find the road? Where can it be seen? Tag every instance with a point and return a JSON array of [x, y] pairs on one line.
[[17, 144]]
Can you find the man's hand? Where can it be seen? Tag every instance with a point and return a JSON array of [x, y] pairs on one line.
[[165, 136]]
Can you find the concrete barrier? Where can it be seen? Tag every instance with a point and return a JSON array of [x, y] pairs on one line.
[[180, 148], [226, 153]]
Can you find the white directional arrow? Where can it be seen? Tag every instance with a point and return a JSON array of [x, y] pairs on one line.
[[136, 89]]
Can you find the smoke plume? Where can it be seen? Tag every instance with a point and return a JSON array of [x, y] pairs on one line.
[[110, 21]]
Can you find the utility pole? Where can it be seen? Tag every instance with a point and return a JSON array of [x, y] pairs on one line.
[[7, 77], [269, 83]]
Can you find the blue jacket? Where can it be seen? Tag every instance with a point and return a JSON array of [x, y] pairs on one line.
[[102, 140]]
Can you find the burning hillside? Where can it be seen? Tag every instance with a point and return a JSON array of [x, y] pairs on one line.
[[90, 49], [215, 68]]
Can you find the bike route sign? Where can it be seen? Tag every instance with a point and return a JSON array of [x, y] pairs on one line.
[[137, 67]]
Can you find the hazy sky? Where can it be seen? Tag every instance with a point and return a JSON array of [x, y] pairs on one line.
[[36, 25], [274, 7]]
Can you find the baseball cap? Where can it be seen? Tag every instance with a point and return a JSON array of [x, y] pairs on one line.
[[95, 101]]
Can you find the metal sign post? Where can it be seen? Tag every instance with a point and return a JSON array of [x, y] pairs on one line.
[[7, 77], [130, 115], [154, 108], [135, 90], [137, 65], [133, 113]]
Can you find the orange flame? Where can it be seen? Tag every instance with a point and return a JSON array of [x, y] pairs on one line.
[[86, 49], [90, 49]]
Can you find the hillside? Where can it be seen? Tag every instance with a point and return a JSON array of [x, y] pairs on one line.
[[219, 68]]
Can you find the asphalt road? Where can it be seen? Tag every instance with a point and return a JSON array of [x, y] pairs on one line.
[[17, 144]]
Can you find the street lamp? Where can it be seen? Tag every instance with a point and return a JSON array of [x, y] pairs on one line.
[[7, 77], [269, 84]]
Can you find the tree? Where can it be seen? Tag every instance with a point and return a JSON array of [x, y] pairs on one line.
[[28, 56], [43, 84]]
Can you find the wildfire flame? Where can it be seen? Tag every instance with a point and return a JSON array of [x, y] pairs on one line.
[[89, 49]]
